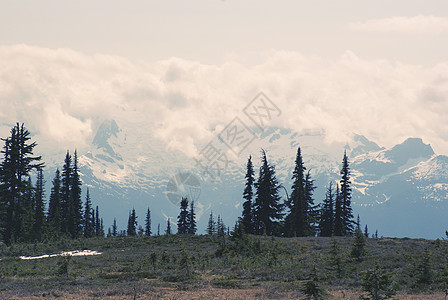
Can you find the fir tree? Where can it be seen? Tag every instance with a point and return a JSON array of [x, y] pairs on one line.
[[98, 225], [168, 227], [65, 192], [75, 214], [191, 221], [346, 195], [296, 222], [220, 227], [326, 224], [338, 215], [114, 228], [182, 219], [158, 229], [366, 232], [54, 206], [148, 223], [267, 210], [15, 171], [359, 243], [132, 223], [39, 206], [211, 227], [247, 218], [88, 217]]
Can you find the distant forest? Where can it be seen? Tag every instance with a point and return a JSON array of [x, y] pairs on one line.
[[25, 216]]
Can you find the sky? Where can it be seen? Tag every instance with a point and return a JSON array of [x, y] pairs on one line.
[[186, 68]]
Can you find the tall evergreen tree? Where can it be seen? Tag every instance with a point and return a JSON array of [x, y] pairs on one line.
[[75, 214], [114, 228], [25, 233], [182, 219], [302, 216], [148, 223], [39, 206], [15, 170], [65, 192], [346, 195], [211, 226], [247, 217], [132, 223], [220, 227], [54, 206], [339, 229], [89, 225], [267, 210], [168, 227], [191, 221], [326, 223]]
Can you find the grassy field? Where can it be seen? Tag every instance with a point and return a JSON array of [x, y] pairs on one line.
[[213, 267]]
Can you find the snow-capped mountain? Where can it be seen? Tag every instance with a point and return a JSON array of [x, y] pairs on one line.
[[401, 191]]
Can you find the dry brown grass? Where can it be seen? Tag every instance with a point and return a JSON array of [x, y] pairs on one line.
[[209, 292]]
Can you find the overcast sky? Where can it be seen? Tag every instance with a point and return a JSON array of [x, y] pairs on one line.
[[377, 68]]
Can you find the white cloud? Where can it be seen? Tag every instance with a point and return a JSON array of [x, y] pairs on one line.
[[420, 24], [63, 96]]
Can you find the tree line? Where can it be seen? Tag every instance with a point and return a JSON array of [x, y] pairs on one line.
[[263, 213], [23, 217]]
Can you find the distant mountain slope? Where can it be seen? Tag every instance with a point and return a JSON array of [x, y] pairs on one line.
[[401, 191]]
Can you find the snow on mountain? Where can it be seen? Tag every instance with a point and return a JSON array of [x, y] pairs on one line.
[[126, 166]]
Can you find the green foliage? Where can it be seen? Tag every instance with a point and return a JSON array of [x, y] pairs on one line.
[[300, 221], [423, 270], [267, 210], [358, 245], [63, 265], [132, 223], [247, 216], [378, 284]]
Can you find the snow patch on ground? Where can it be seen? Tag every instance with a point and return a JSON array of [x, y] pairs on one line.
[[65, 253]]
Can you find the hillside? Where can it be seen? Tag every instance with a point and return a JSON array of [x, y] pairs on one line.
[[213, 267]]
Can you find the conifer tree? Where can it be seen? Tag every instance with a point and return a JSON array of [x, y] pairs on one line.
[[267, 210], [132, 223], [75, 215], [211, 227], [313, 213], [114, 228], [89, 225], [39, 206], [366, 232], [98, 226], [158, 229], [182, 219], [247, 218], [326, 224], [25, 232], [54, 206], [168, 227], [338, 215], [65, 193], [220, 227], [15, 170], [302, 216], [148, 223], [191, 219], [346, 195]]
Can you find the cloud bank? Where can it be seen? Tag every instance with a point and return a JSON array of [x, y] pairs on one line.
[[420, 24], [63, 96]]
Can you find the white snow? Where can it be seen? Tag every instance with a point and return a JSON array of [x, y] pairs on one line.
[[65, 253]]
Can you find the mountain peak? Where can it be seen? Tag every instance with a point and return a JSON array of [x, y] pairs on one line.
[[411, 148], [107, 129]]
